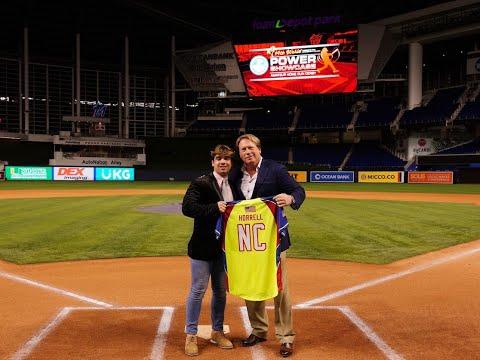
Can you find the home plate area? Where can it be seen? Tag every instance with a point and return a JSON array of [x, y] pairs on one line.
[[101, 333], [332, 332]]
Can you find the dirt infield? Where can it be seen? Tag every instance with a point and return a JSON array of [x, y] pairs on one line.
[[420, 308], [424, 307], [424, 197]]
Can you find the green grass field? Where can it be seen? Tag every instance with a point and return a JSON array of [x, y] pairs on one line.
[[58, 229]]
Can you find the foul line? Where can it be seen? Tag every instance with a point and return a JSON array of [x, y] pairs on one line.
[[161, 338], [383, 279], [257, 351], [369, 333], [26, 349], [360, 324], [54, 289], [159, 343]]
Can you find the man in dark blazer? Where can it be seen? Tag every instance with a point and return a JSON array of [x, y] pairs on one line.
[[204, 200], [260, 177]]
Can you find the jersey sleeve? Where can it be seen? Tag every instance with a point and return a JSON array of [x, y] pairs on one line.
[[282, 222], [219, 227]]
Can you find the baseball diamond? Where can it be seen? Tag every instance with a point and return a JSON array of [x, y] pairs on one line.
[[248, 180], [347, 310]]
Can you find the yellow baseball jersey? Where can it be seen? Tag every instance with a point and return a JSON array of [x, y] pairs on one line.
[[250, 231]]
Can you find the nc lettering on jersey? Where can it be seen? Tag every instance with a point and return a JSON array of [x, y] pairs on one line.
[[248, 237]]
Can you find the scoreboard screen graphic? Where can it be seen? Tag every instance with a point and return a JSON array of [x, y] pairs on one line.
[[323, 63]]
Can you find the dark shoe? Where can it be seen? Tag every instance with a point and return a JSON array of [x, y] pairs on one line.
[[286, 349], [252, 340]]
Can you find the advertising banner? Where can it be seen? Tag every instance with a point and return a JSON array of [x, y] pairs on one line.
[[74, 173], [91, 161], [114, 174], [313, 63], [380, 177], [420, 146], [430, 177], [211, 68], [299, 176], [28, 173], [332, 176]]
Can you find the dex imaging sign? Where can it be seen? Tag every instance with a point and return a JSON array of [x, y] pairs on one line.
[[114, 174], [73, 173]]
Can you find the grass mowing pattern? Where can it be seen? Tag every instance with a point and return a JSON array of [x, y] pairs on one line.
[[58, 229], [46, 230], [378, 231]]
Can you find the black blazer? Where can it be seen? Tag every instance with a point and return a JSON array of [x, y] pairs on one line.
[[272, 179], [200, 203]]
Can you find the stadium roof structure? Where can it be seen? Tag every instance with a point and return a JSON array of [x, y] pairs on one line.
[[150, 24]]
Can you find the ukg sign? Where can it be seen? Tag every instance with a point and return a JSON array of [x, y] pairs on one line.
[[114, 174], [74, 173]]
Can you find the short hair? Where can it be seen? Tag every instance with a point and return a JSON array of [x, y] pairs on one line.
[[222, 150], [250, 137]]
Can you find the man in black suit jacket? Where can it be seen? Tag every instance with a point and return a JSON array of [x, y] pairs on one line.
[[204, 200], [260, 177]]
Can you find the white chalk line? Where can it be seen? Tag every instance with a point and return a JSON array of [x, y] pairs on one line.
[[160, 342], [53, 289], [370, 334], [360, 324], [31, 344], [158, 347], [387, 278], [257, 351]]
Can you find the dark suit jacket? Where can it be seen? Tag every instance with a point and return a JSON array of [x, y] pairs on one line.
[[272, 179], [200, 203]]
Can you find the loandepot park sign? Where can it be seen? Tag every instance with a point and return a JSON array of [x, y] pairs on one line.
[[294, 23]]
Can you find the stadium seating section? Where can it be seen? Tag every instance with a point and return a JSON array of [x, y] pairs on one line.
[[437, 111], [324, 117], [470, 147], [373, 156], [380, 113]]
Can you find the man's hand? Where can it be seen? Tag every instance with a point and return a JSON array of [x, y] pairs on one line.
[[283, 200], [222, 206]]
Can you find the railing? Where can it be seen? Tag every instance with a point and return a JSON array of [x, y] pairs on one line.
[[394, 126], [347, 157]]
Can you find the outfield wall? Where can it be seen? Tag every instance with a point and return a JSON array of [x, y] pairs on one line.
[[72, 173]]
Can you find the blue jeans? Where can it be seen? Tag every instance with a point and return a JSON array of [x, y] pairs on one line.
[[201, 272]]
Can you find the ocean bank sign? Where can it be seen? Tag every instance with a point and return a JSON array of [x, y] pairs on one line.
[[332, 176], [114, 174]]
